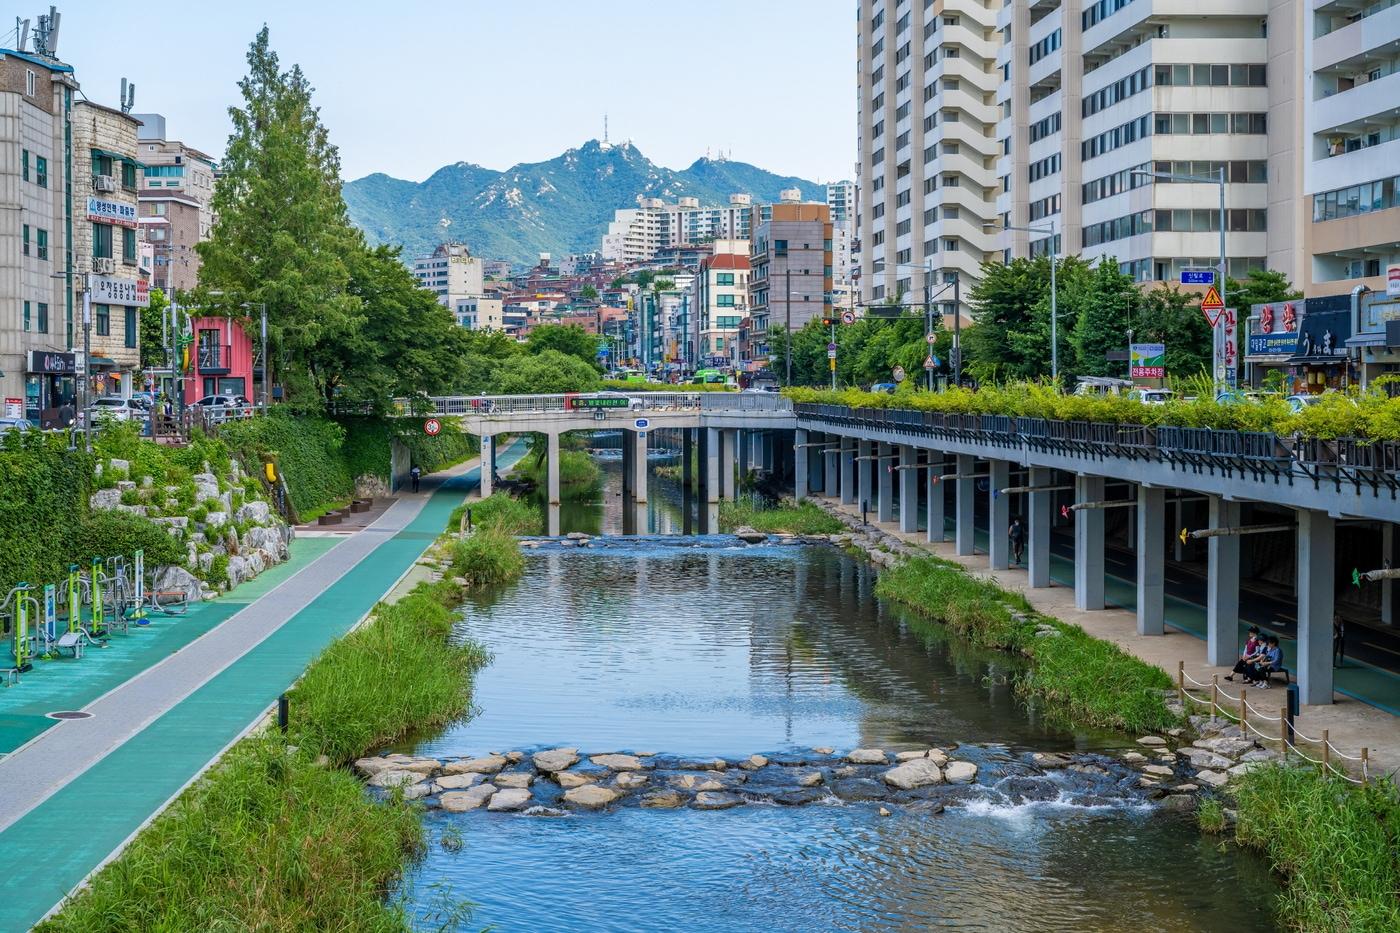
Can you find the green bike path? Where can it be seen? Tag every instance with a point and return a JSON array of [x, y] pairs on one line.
[[71, 683], [53, 847]]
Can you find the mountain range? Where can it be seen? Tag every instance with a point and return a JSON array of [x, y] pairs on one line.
[[560, 206]]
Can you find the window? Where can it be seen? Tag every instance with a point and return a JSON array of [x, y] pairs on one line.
[[102, 241], [129, 322], [129, 176], [950, 181], [24, 164], [780, 247], [41, 241], [41, 171], [31, 81], [129, 246], [724, 301], [101, 164], [26, 316], [25, 237], [42, 323], [950, 244], [103, 315], [724, 278]]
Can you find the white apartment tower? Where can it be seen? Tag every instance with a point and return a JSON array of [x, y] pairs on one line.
[[635, 234], [1094, 95], [451, 272], [927, 179]]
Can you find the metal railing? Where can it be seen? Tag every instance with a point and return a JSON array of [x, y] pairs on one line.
[[639, 401]]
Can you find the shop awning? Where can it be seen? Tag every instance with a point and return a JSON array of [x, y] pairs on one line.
[[103, 362], [1366, 340], [119, 156]]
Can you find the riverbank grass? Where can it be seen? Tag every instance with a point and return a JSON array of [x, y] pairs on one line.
[[1075, 676], [500, 509], [787, 517], [487, 557]]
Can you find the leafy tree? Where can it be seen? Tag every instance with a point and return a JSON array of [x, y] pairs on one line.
[[281, 236], [1169, 316], [1011, 312], [643, 278], [154, 331], [548, 371], [1109, 299], [569, 339], [1260, 286], [588, 292]]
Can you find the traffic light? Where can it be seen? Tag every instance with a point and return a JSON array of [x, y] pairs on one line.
[[827, 322]]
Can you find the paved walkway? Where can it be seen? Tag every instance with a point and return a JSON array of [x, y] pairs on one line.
[[1351, 724], [71, 798]]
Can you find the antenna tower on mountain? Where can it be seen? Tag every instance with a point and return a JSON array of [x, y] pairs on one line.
[[605, 129]]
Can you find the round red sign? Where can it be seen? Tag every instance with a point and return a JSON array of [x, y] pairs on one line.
[[432, 426]]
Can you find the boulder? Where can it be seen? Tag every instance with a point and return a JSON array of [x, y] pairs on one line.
[[105, 499], [617, 762], [487, 764], [703, 764], [591, 796], [685, 781], [798, 797], [171, 579], [919, 772], [823, 750], [1204, 758], [120, 466], [1152, 741], [369, 767], [459, 781], [515, 757], [420, 765], [1213, 778], [509, 798], [215, 519], [715, 800], [750, 536], [418, 790], [663, 800], [515, 779], [255, 511], [754, 762], [710, 784], [1158, 771], [394, 777], [555, 759], [866, 756], [1130, 757], [960, 772], [627, 780], [206, 486], [910, 756], [1227, 746], [269, 540], [571, 779], [810, 779], [1063, 759], [238, 571], [460, 801]]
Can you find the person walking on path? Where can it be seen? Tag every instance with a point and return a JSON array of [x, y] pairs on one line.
[[415, 473], [1339, 640], [1017, 534]]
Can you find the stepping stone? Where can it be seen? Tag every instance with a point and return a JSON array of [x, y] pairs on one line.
[[572, 779], [556, 759], [617, 762], [460, 801], [1158, 770], [867, 756], [703, 764], [715, 800], [515, 779], [628, 780], [754, 762], [1213, 778], [487, 764], [663, 800], [918, 772], [591, 796], [960, 772], [858, 789], [810, 779], [459, 781], [510, 798], [1153, 741], [795, 798]]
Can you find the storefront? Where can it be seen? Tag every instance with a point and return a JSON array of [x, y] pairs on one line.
[[50, 388], [1272, 339], [1376, 345], [1320, 361]]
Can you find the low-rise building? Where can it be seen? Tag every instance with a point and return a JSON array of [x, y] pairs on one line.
[[791, 278], [721, 303], [480, 313], [220, 359], [450, 272], [176, 203]]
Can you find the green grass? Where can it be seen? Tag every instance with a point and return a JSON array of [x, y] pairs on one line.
[[580, 478], [488, 556], [1077, 678], [1337, 844], [796, 518], [1210, 816], [500, 509]]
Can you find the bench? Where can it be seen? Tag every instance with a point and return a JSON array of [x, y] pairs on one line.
[[71, 641], [1269, 675], [330, 518], [361, 505]]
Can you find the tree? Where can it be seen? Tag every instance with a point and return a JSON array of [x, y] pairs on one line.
[[155, 332], [588, 292], [282, 236], [1169, 316], [548, 371], [1260, 286], [1109, 300], [569, 339], [1011, 313]]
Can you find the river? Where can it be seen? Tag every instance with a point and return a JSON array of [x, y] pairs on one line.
[[702, 646]]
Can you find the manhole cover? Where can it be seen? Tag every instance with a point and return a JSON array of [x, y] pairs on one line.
[[69, 714]]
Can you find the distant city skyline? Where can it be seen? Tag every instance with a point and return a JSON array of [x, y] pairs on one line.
[[499, 86]]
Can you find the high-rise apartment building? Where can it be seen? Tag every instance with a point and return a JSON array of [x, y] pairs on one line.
[[637, 234], [1351, 145], [841, 199], [791, 278], [450, 272], [927, 142], [1093, 96], [176, 203]]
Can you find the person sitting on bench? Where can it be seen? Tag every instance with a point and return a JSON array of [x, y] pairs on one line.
[[1258, 675], [1253, 651]]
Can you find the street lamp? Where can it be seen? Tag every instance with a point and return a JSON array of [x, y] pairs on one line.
[[927, 270], [1054, 291]]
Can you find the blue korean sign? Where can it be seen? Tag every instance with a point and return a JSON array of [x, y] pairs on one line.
[[1273, 344], [1197, 276]]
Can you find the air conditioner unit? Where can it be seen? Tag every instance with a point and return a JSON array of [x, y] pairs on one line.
[[105, 183], [103, 265]]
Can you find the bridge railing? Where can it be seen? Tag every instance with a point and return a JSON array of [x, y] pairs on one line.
[[467, 405]]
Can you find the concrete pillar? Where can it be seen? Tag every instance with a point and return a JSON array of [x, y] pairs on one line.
[[885, 481], [1088, 544], [908, 489], [999, 514], [831, 467], [848, 470], [552, 453], [488, 464], [1223, 585], [687, 480], [799, 472], [728, 441], [1387, 560], [1317, 532], [933, 483], [639, 466], [1039, 522], [768, 440], [745, 463], [1151, 560], [865, 470], [964, 533]]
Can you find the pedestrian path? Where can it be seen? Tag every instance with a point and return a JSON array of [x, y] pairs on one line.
[[70, 799]]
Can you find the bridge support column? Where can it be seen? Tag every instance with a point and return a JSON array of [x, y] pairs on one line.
[[1151, 560], [965, 534], [1317, 533], [831, 467], [848, 471], [728, 441], [998, 515], [1088, 544], [1387, 560], [711, 468], [1222, 585], [908, 489], [488, 465], [745, 460], [865, 470], [687, 480], [1039, 522], [934, 485], [639, 466], [885, 509], [799, 460], [552, 470]]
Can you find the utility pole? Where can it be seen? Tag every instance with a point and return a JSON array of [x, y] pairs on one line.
[[957, 331], [928, 327], [833, 359], [787, 342], [266, 357], [88, 413]]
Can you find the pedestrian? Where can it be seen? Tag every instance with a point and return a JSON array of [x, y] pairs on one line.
[[1339, 640], [1017, 534], [415, 473]]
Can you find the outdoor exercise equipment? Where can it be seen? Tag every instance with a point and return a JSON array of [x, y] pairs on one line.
[[16, 611]]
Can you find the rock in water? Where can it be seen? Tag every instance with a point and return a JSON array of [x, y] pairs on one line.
[[572, 779], [715, 800], [487, 764], [511, 798], [1152, 741], [460, 801], [960, 772], [858, 789], [515, 779], [866, 756], [884, 812], [591, 796], [630, 779], [617, 762], [910, 756], [754, 762], [920, 772], [810, 779], [395, 777], [796, 798], [556, 759], [459, 781], [664, 799]]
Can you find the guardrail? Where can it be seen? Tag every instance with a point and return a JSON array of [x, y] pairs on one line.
[[640, 401], [1356, 462]]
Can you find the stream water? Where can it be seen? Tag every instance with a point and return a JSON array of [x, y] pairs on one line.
[[702, 646]]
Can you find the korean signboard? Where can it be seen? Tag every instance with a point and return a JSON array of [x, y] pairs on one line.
[[1274, 330], [1147, 360], [111, 212], [1226, 349], [51, 363], [1392, 281], [108, 290]]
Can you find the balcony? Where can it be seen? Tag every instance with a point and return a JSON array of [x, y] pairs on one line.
[[213, 359]]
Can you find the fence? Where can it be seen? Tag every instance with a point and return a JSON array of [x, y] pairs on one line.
[[1285, 733]]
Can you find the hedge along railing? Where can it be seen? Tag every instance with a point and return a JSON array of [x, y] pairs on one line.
[[1281, 728]]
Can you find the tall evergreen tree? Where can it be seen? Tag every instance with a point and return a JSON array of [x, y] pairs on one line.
[[1108, 309], [282, 236]]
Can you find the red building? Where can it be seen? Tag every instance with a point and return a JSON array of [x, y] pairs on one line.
[[220, 360]]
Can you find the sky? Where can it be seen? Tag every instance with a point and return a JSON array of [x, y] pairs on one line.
[[408, 87]]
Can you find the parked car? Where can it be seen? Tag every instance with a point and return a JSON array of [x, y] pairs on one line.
[[884, 387], [1297, 403], [216, 408], [1152, 396], [15, 424], [113, 408]]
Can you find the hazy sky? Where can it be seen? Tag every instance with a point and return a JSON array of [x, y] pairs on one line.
[[406, 87]]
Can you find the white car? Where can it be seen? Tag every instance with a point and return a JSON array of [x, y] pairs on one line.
[[223, 407], [1153, 396], [115, 408]]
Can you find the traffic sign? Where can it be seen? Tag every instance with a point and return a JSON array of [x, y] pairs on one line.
[[831, 354], [642, 423], [930, 338], [1212, 306], [929, 363], [899, 374], [1197, 276], [848, 317], [831, 346], [431, 427]]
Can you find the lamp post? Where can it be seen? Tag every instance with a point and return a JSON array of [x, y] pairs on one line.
[[929, 295], [1054, 290]]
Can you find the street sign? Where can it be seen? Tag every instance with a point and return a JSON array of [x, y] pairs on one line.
[[1212, 306], [930, 338], [431, 427], [1148, 360], [1197, 276], [598, 401], [642, 423], [899, 374], [929, 363], [831, 346], [848, 317], [831, 354]]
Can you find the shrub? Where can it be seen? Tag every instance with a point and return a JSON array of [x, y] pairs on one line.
[[1210, 816], [490, 555], [795, 518], [503, 511], [217, 574], [108, 534], [307, 450]]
